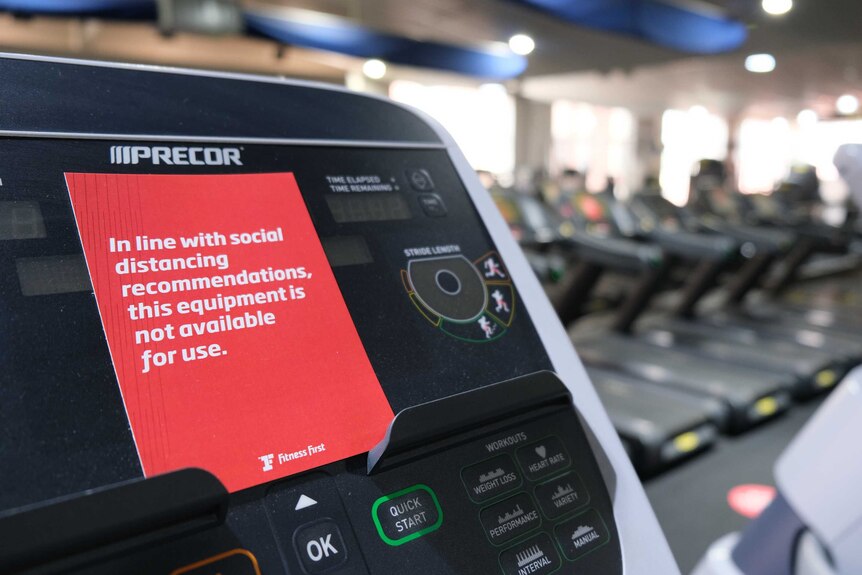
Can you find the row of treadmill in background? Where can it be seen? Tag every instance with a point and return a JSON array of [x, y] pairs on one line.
[[720, 352]]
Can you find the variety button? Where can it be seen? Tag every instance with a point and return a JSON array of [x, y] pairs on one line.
[[510, 518], [543, 458], [490, 478], [320, 546], [561, 495], [535, 556], [407, 514], [582, 534]]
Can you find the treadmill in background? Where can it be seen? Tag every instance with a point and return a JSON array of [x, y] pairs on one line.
[[660, 426]]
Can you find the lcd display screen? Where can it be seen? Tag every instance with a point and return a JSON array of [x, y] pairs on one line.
[[368, 207]]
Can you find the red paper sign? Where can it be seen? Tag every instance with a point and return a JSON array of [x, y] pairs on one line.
[[232, 344]]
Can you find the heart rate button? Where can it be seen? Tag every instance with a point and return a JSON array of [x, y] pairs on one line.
[[543, 458]]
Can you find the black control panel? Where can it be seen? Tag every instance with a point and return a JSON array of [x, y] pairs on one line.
[[478, 461]]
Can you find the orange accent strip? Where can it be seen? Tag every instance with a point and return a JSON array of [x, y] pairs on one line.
[[219, 557], [406, 281]]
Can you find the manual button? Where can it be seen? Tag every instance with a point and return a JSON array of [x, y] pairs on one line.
[[543, 458], [407, 514], [510, 518], [582, 534], [490, 478]]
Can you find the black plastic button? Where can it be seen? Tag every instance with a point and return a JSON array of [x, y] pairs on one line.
[[449, 286], [535, 556], [543, 458], [433, 205], [561, 495], [491, 478], [407, 514], [309, 522], [582, 534], [320, 546], [420, 180], [510, 519]]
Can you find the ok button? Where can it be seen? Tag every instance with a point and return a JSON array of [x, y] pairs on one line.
[[320, 546]]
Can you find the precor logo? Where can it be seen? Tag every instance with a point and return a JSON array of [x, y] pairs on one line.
[[176, 155]]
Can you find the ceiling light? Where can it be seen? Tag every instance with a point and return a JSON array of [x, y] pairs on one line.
[[760, 63], [847, 104], [521, 44], [777, 7], [807, 118], [374, 68]]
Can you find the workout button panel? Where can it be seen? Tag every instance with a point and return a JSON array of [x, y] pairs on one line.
[[582, 534], [407, 514], [491, 478], [536, 556], [561, 495], [543, 458], [510, 519]]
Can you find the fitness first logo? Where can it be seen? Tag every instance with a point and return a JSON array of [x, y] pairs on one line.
[[176, 155]]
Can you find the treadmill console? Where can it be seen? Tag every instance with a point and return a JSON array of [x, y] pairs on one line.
[[280, 341]]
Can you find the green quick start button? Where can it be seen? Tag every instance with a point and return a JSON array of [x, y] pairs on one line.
[[407, 514]]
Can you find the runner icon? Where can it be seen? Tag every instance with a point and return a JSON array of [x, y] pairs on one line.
[[487, 327], [501, 303], [493, 269]]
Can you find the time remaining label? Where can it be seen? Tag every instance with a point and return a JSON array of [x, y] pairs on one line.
[[233, 347]]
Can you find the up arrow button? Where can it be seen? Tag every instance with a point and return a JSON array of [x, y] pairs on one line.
[[304, 501]]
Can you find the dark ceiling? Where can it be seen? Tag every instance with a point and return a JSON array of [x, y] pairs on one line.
[[563, 47]]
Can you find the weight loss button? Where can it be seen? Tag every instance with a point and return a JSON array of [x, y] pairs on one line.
[[407, 514]]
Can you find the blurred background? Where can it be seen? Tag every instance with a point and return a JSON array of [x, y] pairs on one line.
[[597, 124], [616, 89]]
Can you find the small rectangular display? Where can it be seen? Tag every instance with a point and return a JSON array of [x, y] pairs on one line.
[[21, 220], [50, 275], [232, 343], [347, 251], [368, 207]]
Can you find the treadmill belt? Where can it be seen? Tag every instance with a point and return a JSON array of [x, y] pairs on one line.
[[691, 501]]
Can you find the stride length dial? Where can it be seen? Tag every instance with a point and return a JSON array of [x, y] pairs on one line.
[[471, 301]]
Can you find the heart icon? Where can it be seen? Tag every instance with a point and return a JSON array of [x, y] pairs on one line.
[[541, 451]]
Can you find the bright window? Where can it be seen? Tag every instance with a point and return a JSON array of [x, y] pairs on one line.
[[599, 142], [481, 120], [687, 137]]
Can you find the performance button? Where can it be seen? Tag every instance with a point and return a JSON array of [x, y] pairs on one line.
[[561, 495], [582, 534], [407, 514], [510, 519], [490, 478], [543, 458], [535, 556]]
